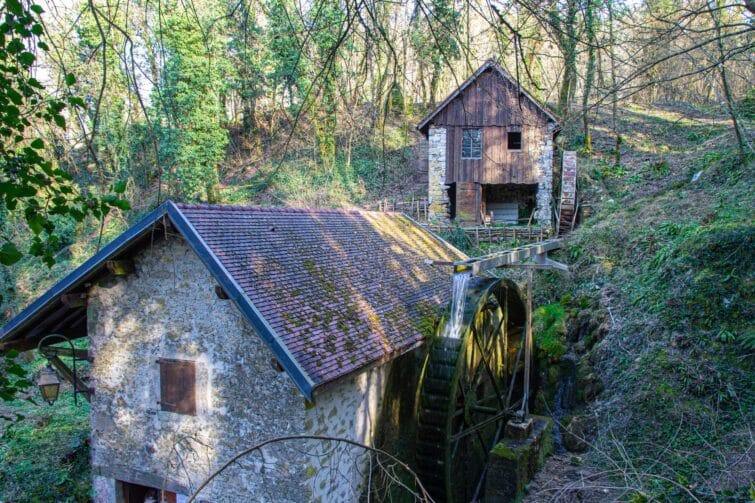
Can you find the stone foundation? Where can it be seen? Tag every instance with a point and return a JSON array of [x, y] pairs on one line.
[[437, 190], [513, 462]]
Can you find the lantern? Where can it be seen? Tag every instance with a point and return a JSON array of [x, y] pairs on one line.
[[49, 384]]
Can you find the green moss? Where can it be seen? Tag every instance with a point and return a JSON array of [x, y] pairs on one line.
[[549, 329], [503, 451], [45, 457]]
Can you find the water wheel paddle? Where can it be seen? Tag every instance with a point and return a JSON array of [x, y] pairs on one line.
[[466, 390]]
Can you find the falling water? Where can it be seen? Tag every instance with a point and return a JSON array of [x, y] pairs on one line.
[[564, 399], [458, 292]]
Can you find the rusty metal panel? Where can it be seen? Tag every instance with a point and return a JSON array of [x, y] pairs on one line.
[[467, 202]]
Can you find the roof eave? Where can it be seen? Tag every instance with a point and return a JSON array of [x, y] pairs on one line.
[[94, 265], [74, 279]]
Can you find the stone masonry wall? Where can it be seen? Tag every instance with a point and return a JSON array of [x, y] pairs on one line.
[[169, 309], [350, 409], [437, 196], [542, 154]]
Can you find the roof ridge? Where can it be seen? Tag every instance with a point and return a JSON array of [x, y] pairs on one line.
[[280, 209]]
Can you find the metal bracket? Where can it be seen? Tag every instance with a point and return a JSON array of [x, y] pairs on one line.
[[53, 353]]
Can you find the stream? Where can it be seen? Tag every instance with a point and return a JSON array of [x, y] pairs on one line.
[[564, 399]]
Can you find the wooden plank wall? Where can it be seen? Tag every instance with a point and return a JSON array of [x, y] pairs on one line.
[[498, 164], [491, 103]]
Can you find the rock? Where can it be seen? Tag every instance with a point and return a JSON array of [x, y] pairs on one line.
[[578, 432], [579, 347], [588, 384]]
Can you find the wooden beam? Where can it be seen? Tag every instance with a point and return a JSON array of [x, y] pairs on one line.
[[43, 328], [73, 300], [120, 267], [507, 257], [67, 374], [71, 319], [79, 354]]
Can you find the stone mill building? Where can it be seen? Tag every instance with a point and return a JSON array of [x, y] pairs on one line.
[[490, 152], [213, 328]]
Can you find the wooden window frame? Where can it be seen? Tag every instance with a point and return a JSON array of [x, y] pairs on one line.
[[471, 147], [178, 386], [508, 141]]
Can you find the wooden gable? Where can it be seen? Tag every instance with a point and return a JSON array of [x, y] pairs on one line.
[[491, 100]]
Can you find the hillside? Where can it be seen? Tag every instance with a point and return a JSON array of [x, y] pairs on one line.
[[664, 275]]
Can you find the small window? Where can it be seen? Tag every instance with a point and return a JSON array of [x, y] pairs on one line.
[[471, 143], [178, 386], [514, 140]]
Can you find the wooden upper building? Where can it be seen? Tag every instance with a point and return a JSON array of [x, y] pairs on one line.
[[490, 152]]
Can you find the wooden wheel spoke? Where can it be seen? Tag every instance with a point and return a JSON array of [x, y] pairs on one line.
[[464, 410], [491, 375]]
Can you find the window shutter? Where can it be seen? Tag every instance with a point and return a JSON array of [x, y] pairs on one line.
[[178, 386]]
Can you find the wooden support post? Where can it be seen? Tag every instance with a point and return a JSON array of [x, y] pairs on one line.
[[73, 300], [79, 354], [506, 368], [524, 412], [120, 267]]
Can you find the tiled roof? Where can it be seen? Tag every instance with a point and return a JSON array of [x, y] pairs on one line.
[[329, 291], [340, 289]]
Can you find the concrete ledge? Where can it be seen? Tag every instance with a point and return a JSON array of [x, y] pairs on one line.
[[513, 462]]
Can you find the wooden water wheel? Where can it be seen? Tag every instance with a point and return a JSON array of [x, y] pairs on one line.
[[468, 389]]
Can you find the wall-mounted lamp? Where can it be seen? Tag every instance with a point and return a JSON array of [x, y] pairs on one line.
[[49, 381], [49, 384]]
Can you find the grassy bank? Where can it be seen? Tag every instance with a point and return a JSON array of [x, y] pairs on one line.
[[671, 260]]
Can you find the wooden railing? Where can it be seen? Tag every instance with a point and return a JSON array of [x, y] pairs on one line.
[[414, 206]]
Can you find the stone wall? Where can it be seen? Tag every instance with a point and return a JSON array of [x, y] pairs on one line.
[[350, 409], [169, 309], [543, 156], [437, 194]]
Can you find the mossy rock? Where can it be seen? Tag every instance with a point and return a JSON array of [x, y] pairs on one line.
[[588, 384], [577, 434], [513, 463]]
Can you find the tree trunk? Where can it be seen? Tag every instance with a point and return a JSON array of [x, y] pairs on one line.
[[566, 38], [614, 85], [726, 88], [589, 75]]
